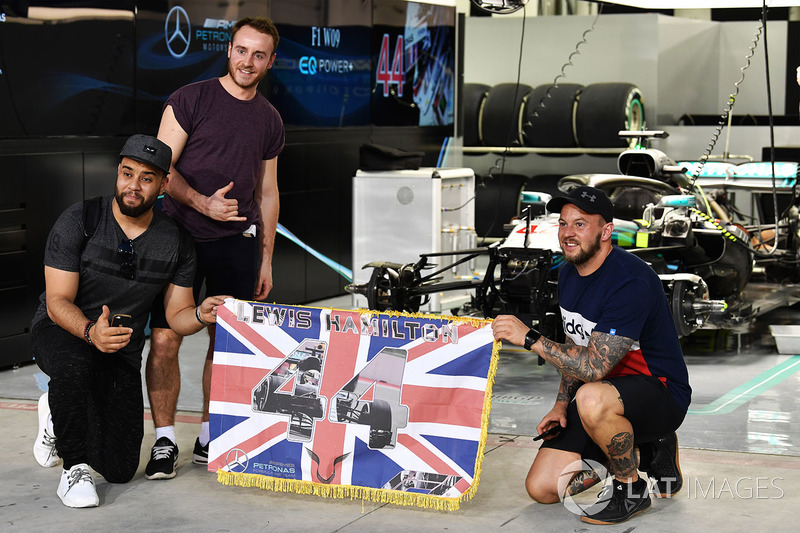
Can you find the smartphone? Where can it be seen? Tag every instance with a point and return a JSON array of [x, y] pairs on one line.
[[121, 321], [550, 432]]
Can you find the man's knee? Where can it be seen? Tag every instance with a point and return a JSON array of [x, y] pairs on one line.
[[541, 492], [75, 376], [121, 473], [595, 401], [547, 473], [164, 343]]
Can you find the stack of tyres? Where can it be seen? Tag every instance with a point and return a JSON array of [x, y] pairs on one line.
[[553, 115]]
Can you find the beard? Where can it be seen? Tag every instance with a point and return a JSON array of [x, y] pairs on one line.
[[136, 210], [232, 71], [584, 255]]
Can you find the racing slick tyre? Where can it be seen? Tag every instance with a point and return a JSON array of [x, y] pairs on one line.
[[474, 98], [380, 424], [605, 109], [501, 120], [264, 399], [550, 116]]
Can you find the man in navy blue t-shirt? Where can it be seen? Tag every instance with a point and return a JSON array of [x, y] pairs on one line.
[[624, 384]]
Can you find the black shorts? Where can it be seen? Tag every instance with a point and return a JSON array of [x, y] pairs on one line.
[[225, 266], [649, 407]]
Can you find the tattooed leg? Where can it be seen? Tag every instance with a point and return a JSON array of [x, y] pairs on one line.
[[583, 480], [602, 415], [621, 455]]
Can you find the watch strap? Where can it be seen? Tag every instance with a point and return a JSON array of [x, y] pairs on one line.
[[531, 337]]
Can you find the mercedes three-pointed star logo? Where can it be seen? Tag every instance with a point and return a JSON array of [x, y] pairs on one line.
[[236, 460], [177, 32]]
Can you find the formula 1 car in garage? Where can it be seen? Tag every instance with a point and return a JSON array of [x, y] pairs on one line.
[[720, 267]]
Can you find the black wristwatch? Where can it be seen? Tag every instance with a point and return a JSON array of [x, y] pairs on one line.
[[531, 337]]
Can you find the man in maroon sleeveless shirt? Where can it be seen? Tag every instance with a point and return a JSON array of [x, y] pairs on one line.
[[225, 139]]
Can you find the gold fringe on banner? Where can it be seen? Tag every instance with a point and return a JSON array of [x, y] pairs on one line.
[[396, 497]]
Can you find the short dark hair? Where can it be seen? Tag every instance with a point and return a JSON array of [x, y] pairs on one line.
[[260, 24]]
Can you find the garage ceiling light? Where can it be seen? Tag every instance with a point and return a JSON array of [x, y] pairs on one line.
[[691, 4]]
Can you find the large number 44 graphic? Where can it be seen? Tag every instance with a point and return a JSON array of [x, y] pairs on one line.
[[292, 389], [370, 398], [386, 75]]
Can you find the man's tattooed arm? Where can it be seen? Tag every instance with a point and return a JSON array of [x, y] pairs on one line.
[[567, 389], [569, 385], [585, 363]]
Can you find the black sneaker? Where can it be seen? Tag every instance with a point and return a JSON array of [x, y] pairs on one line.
[[200, 454], [163, 460], [626, 500], [664, 468]]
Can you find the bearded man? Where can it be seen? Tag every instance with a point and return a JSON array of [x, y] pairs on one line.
[[624, 386], [117, 262], [225, 139]]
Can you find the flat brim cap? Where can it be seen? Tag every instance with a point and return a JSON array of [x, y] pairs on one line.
[[148, 150], [588, 199]]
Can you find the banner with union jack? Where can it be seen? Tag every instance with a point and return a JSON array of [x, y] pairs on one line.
[[389, 407]]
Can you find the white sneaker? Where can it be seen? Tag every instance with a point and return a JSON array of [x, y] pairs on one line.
[[44, 449], [76, 488]]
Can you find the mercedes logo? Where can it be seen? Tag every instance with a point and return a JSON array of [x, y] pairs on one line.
[[236, 460], [177, 32]]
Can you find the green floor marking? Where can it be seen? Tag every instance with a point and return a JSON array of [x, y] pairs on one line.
[[747, 391]]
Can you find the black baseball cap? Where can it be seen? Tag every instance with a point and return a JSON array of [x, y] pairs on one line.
[[148, 150], [587, 199]]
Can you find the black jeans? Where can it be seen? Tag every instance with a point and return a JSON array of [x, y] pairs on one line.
[[96, 402]]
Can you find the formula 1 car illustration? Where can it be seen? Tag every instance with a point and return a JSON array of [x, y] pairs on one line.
[[422, 482], [302, 403], [718, 272], [376, 414], [367, 399]]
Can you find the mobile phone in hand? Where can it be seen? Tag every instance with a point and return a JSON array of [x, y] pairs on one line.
[[121, 321], [550, 432]]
